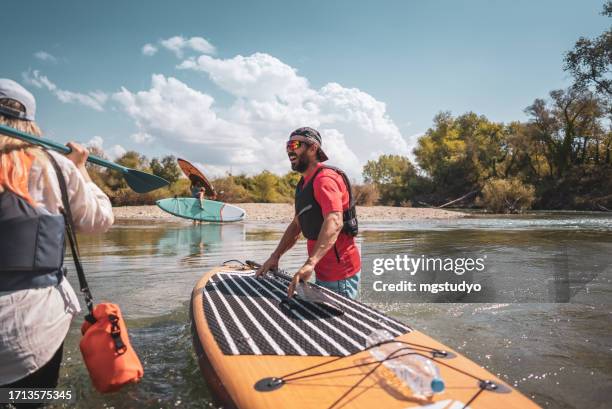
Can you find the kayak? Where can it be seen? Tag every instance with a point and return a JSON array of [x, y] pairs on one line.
[[257, 349], [194, 173], [206, 210]]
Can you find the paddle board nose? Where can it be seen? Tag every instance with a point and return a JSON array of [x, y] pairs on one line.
[[205, 210]]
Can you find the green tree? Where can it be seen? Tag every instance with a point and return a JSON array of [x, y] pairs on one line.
[[527, 155], [230, 191], [166, 168], [590, 62], [392, 175], [156, 167], [507, 196], [130, 159], [460, 154], [266, 186], [288, 183], [245, 181], [570, 126]]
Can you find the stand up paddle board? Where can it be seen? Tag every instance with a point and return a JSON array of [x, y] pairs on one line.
[[208, 211], [194, 173], [258, 350]]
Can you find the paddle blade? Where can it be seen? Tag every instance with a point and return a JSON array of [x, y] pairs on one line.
[[142, 182]]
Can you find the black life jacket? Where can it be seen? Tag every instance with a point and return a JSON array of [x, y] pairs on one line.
[[309, 211], [31, 245]]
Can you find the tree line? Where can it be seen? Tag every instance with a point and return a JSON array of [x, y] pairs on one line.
[[265, 187], [559, 158]]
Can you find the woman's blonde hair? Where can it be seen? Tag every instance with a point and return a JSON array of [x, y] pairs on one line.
[[16, 156]]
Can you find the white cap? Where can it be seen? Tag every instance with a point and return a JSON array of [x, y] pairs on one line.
[[9, 89]]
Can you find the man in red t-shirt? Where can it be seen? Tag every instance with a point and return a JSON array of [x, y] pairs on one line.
[[323, 214]]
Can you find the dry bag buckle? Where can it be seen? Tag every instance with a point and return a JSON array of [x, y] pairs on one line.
[[120, 347]]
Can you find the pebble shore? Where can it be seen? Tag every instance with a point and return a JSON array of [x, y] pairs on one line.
[[282, 212]]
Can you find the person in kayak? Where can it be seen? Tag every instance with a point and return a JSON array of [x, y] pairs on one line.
[[325, 215], [37, 302]]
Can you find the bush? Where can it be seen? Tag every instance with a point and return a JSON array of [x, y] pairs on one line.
[[392, 175], [228, 190], [366, 194], [587, 187], [506, 196], [268, 189], [265, 187]]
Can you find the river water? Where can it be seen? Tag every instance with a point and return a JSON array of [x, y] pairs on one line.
[[553, 342]]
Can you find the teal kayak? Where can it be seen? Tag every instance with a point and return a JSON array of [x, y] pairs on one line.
[[207, 211]]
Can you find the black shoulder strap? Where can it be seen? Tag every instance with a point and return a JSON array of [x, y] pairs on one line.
[[70, 232], [346, 181], [312, 179], [300, 184]]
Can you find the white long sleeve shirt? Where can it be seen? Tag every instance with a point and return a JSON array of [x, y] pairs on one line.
[[34, 322]]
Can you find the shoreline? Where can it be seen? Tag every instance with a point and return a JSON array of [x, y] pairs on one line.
[[283, 212]]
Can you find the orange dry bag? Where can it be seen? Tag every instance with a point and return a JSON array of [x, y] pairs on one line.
[[105, 346], [107, 352]]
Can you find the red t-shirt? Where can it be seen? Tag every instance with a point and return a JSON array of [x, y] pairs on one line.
[[331, 194]]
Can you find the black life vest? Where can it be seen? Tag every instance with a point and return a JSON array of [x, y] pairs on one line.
[[309, 211], [31, 245]]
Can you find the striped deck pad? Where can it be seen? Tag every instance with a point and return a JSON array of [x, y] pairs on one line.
[[246, 317]]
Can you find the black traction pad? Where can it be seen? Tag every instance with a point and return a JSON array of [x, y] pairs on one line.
[[252, 316]]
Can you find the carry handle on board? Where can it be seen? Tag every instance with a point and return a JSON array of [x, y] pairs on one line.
[[256, 265], [138, 181], [305, 290]]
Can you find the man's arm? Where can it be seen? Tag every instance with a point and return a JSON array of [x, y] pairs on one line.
[[331, 228], [290, 237]]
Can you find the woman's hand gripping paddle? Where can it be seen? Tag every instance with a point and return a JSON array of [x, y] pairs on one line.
[[138, 181]]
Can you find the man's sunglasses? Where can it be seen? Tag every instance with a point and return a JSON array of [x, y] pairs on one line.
[[294, 145]]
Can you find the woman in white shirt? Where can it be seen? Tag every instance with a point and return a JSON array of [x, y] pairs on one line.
[[37, 305]]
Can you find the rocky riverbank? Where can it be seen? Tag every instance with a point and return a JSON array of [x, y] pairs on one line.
[[282, 212]]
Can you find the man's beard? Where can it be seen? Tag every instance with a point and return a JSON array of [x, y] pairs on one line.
[[301, 165]]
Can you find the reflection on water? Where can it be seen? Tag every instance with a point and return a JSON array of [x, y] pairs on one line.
[[568, 221], [560, 354], [519, 265]]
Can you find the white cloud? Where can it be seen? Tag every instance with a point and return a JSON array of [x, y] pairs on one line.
[[149, 49], [116, 151], [45, 56], [184, 120], [271, 100], [178, 44], [95, 142], [142, 137], [113, 152], [258, 77], [39, 81], [94, 99]]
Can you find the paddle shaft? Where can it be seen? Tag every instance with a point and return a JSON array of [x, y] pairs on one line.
[[47, 143]]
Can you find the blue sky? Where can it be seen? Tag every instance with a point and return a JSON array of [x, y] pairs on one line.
[[392, 66]]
